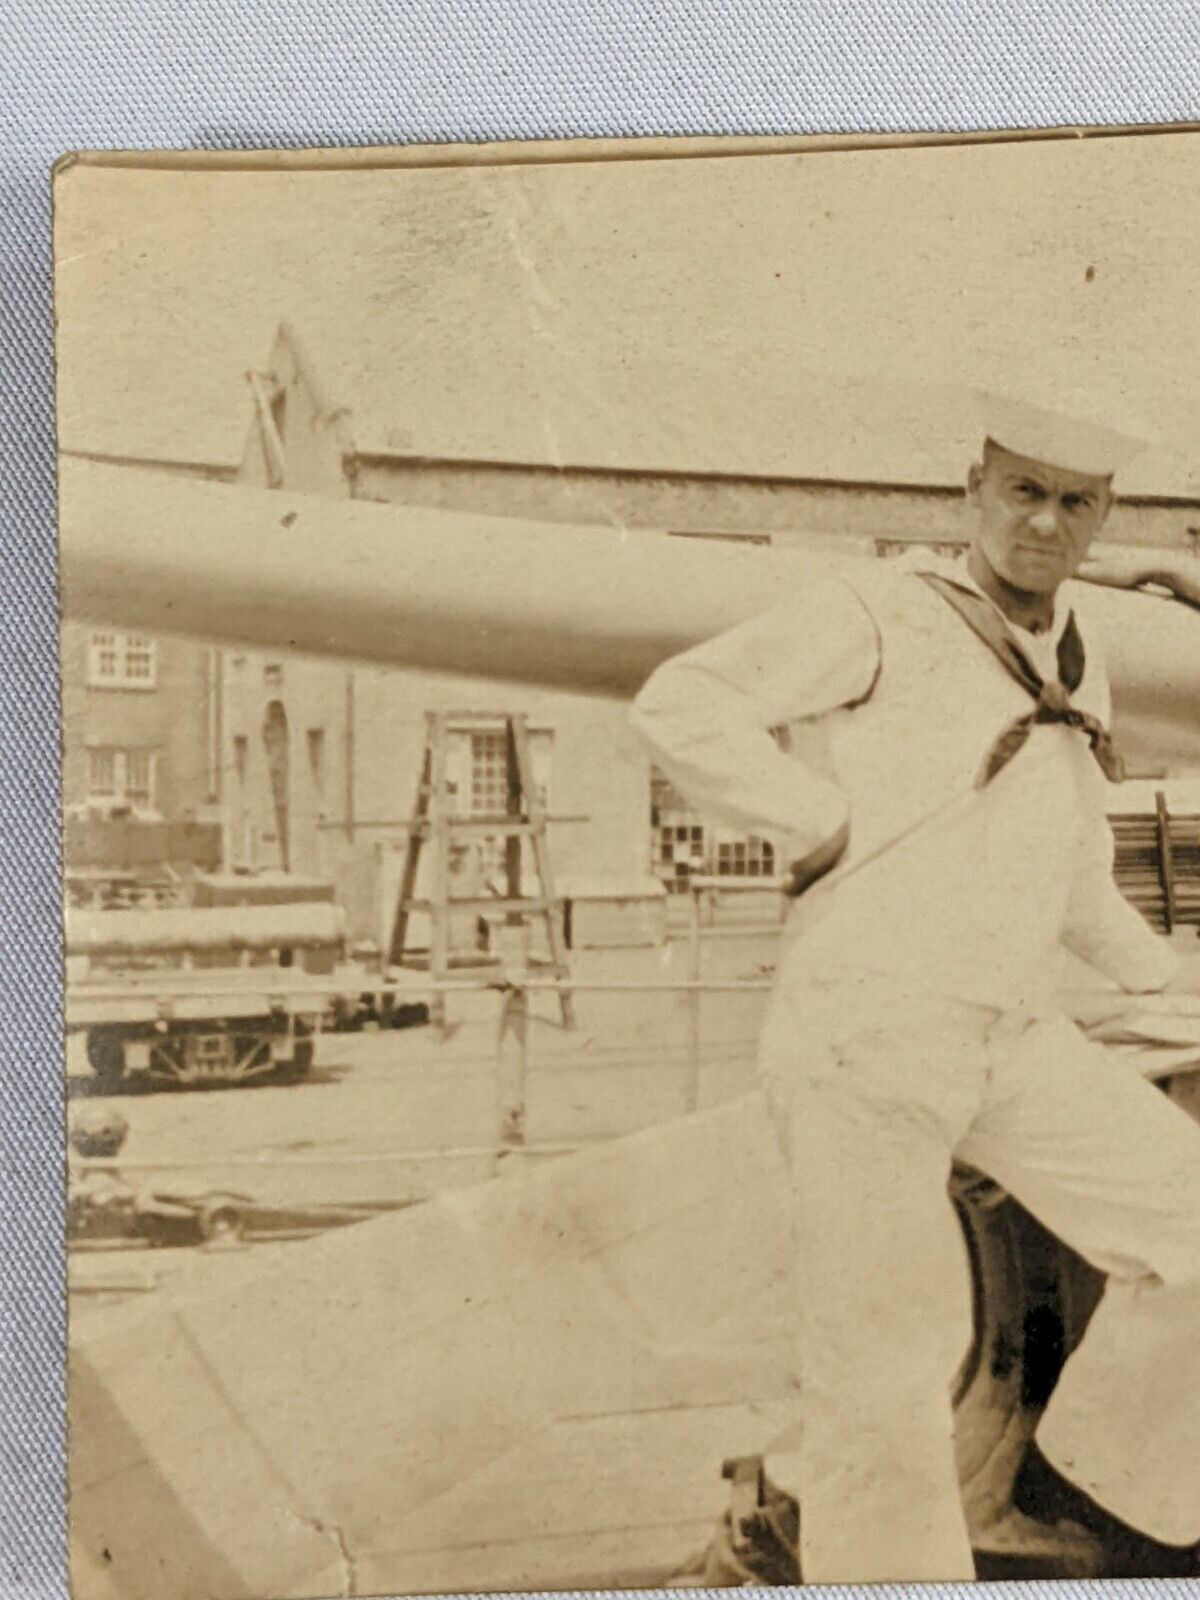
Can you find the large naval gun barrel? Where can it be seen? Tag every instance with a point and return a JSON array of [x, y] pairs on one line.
[[577, 608]]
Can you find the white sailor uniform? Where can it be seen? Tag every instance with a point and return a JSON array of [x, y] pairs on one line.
[[914, 1022]]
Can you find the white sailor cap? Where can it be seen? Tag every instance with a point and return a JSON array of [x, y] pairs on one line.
[[1071, 440]]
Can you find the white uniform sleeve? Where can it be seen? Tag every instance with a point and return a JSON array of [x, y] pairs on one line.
[[707, 714], [1102, 928]]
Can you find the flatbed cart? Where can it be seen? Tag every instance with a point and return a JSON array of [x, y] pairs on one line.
[[202, 996]]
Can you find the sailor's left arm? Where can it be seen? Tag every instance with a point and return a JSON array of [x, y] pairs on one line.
[[1102, 927]]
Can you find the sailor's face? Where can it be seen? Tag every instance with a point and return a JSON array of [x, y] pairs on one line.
[[1036, 522]]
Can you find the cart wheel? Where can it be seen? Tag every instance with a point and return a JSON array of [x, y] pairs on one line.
[[222, 1222], [302, 1059], [106, 1057]]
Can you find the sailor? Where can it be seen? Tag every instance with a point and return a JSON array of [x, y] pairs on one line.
[[931, 739]]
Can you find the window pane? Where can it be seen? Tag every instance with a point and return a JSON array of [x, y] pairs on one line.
[[102, 772], [137, 774], [489, 774], [748, 857], [316, 761], [116, 659]]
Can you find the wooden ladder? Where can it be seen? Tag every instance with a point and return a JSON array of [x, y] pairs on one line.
[[434, 822]]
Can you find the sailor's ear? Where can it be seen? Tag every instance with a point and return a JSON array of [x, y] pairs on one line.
[[974, 479]]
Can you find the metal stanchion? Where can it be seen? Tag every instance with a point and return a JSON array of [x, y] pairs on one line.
[[512, 1065], [691, 1095], [512, 1047]]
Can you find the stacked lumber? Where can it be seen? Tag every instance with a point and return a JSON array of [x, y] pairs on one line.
[[1185, 850], [195, 929], [1157, 866]]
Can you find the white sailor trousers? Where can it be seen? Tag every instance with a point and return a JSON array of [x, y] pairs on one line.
[[877, 1088]]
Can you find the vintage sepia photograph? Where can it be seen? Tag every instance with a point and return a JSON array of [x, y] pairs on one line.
[[631, 847]]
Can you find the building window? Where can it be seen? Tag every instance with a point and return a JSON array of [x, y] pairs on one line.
[[679, 852], [139, 777], [277, 750], [488, 792], [489, 774], [122, 661], [122, 777], [102, 774], [316, 763], [241, 844], [272, 674], [684, 845], [477, 778], [745, 857]]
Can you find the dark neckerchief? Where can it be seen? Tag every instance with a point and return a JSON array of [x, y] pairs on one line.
[[1053, 702]]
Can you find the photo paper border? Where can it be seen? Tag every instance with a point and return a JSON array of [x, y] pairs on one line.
[[212, 76]]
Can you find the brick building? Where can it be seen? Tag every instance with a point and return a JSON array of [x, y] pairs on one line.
[[138, 724], [141, 740]]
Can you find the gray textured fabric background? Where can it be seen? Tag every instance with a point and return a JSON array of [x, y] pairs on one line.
[[223, 73]]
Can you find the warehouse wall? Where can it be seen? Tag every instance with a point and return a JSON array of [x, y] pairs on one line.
[[712, 503]]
